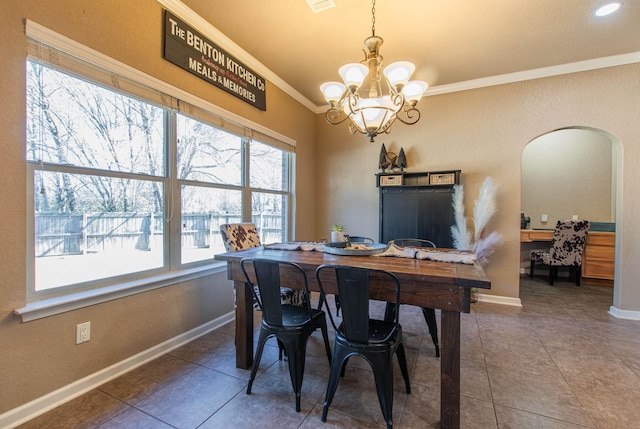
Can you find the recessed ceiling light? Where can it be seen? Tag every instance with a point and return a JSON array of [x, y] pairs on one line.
[[608, 8]]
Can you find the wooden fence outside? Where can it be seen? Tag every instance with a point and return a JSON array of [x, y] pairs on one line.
[[59, 234]]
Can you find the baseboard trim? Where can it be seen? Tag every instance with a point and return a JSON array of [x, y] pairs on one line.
[[30, 410], [624, 314], [503, 300]]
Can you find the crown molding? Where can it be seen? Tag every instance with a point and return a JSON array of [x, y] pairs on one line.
[[580, 66], [195, 20], [180, 9]]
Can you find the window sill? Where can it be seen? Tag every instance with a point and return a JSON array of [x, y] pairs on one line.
[[61, 304]]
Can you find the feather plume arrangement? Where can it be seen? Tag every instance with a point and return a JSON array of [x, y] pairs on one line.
[[483, 245], [486, 246], [485, 207], [459, 232]]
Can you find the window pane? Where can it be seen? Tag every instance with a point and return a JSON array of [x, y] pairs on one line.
[[208, 154], [270, 216], [269, 167], [74, 122], [203, 211], [92, 227]]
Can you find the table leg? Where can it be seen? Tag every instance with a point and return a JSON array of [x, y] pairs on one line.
[[450, 370], [244, 325]]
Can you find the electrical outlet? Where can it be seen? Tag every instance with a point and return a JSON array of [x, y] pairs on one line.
[[83, 332]]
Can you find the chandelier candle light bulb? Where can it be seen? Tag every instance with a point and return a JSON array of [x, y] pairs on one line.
[[413, 91], [398, 74], [332, 92], [353, 75], [375, 113]]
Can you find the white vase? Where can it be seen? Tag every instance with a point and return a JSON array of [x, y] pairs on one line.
[[337, 236]]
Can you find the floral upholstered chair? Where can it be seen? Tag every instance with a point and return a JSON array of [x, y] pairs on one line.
[[240, 236], [566, 250]]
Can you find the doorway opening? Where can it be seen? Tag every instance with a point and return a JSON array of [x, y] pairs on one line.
[[572, 173]]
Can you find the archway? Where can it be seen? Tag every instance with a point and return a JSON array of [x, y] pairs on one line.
[[572, 173]]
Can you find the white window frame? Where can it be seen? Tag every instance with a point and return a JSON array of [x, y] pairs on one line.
[[44, 42]]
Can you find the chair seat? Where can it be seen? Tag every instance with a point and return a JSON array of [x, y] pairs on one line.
[[293, 316], [540, 257], [379, 331]]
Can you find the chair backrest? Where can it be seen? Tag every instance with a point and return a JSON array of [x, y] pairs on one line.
[[268, 281], [568, 242], [359, 239], [239, 236], [353, 291], [412, 242]]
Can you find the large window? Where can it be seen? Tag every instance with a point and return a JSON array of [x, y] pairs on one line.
[[124, 187]]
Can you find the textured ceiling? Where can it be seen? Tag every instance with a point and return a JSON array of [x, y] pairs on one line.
[[450, 41]]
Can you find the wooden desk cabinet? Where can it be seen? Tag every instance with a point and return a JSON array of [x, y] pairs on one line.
[[530, 235], [598, 258]]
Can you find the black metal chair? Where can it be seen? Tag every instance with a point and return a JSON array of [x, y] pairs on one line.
[[374, 340], [429, 314], [291, 325]]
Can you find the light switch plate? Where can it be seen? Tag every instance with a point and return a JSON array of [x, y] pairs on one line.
[[544, 218]]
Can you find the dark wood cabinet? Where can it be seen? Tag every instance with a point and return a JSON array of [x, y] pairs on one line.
[[417, 205]]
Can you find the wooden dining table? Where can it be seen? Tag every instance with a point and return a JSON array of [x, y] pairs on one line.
[[441, 285]]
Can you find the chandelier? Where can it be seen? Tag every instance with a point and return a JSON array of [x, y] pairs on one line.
[[373, 113]]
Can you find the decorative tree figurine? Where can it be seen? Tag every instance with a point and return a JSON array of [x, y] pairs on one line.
[[387, 160], [402, 160], [382, 158]]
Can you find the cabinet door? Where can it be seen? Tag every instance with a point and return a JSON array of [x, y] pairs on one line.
[[599, 256], [415, 212]]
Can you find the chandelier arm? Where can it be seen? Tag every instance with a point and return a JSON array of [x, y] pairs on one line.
[[351, 101], [411, 115], [398, 100], [335, 117]]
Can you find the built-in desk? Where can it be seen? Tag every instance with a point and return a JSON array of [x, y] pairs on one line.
[[598, 258], [529, 235]]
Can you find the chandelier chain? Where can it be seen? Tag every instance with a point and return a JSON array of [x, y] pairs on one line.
[[373, 18]]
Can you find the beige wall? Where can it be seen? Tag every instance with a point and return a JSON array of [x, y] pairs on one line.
[[483, 132], [40, 356], [565, 173]]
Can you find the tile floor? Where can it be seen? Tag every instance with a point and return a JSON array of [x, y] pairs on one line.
[[560, 361]]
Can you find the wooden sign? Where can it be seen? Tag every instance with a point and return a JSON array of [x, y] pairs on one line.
[[191, 51]]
